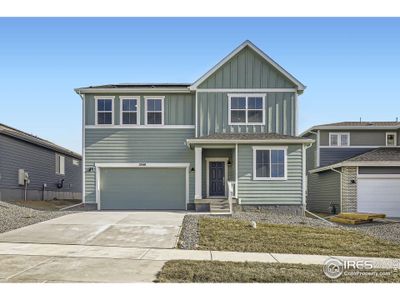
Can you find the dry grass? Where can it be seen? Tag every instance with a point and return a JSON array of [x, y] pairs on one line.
[[214, 271], [235, 235], [47, 205]]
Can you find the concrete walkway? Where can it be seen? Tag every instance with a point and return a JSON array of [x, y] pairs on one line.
[[24, 262]]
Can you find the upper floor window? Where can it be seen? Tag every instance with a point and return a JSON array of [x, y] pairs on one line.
[[60, 164], [154, 111], [75, 162], [129, 111], [340, 139], [269, 163], [246, 109], [104, 110], [391, 139]]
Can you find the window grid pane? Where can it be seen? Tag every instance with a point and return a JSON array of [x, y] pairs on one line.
[[344, 140], [247, 110], [262, 163], [334, 140], [104, 111]]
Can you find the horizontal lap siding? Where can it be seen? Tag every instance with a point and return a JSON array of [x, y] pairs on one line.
[[270, 192], [213, 114], [39, 162], [330, 156], [113, 145], [323, 189]]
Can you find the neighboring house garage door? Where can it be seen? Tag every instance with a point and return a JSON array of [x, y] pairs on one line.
[[379, 195], [143, 188]]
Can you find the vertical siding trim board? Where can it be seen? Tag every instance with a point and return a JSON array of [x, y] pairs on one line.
[[198, 194], [99, 166]]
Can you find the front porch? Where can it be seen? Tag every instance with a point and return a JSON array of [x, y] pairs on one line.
[[215, 177]]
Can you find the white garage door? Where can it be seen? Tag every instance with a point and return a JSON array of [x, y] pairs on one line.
[[379, 195]]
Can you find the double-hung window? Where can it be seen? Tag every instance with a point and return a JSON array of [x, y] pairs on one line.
[[60, 164], [154, 111], [246, 109], [391, 139], [104, 110], [339, 139], [129, 111], [269, 163]]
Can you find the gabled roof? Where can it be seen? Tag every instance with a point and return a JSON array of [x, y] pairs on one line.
[[385, 156], [243, 138], [351, 125], [249, 44], [21, 135]]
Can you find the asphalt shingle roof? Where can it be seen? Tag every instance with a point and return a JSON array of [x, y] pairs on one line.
[[379, 154], [138, 85], [30, 138], [372, 123]]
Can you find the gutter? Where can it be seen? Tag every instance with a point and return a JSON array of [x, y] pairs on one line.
[[274, 141], [131, 90]]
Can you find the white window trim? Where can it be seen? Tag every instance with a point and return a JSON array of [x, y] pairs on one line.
[[162, 98], [218, 159], [246, 109], [96, 98], [58, 162], [395, 139], [339, 134], [255, 148], [121, 100]]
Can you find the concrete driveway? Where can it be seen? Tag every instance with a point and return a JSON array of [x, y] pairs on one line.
[[89, 247]]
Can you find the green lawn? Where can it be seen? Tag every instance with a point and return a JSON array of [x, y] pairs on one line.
[[235, 235], [214, 271]]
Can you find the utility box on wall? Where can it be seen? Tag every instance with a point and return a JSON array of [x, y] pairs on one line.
[[22, 177]]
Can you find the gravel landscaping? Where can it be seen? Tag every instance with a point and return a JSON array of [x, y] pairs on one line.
[[13, 216], [386, 231]]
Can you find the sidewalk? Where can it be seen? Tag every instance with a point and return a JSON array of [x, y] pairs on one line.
[[153, 254]]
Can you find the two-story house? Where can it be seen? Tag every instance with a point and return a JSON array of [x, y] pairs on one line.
[[185, 146], [354, 166]]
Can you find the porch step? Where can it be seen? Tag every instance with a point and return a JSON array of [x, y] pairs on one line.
[[219, 206]]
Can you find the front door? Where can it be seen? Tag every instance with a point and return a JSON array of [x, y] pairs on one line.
[[217, 178]]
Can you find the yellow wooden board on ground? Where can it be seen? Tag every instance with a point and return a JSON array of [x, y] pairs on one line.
[[361, 216]]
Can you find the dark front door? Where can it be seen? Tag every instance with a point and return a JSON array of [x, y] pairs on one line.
[[217, 178]]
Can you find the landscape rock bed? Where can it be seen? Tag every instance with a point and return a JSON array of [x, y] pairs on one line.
[[13, 216]]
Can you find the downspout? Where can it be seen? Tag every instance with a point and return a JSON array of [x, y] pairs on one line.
[[305, 176], [341, 191]]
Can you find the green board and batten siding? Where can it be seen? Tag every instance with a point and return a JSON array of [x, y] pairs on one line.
[[213, 114], [178, 108], [247, 70], [116, 145], [284, 192]]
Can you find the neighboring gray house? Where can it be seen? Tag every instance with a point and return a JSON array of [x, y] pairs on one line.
[[354, 166], [180, 146], [35, 169]]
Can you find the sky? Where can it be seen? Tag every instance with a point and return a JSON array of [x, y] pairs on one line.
[[351, 67]]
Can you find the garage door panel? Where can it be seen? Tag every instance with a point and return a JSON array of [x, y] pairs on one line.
[[143, 188], [379, 195]]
